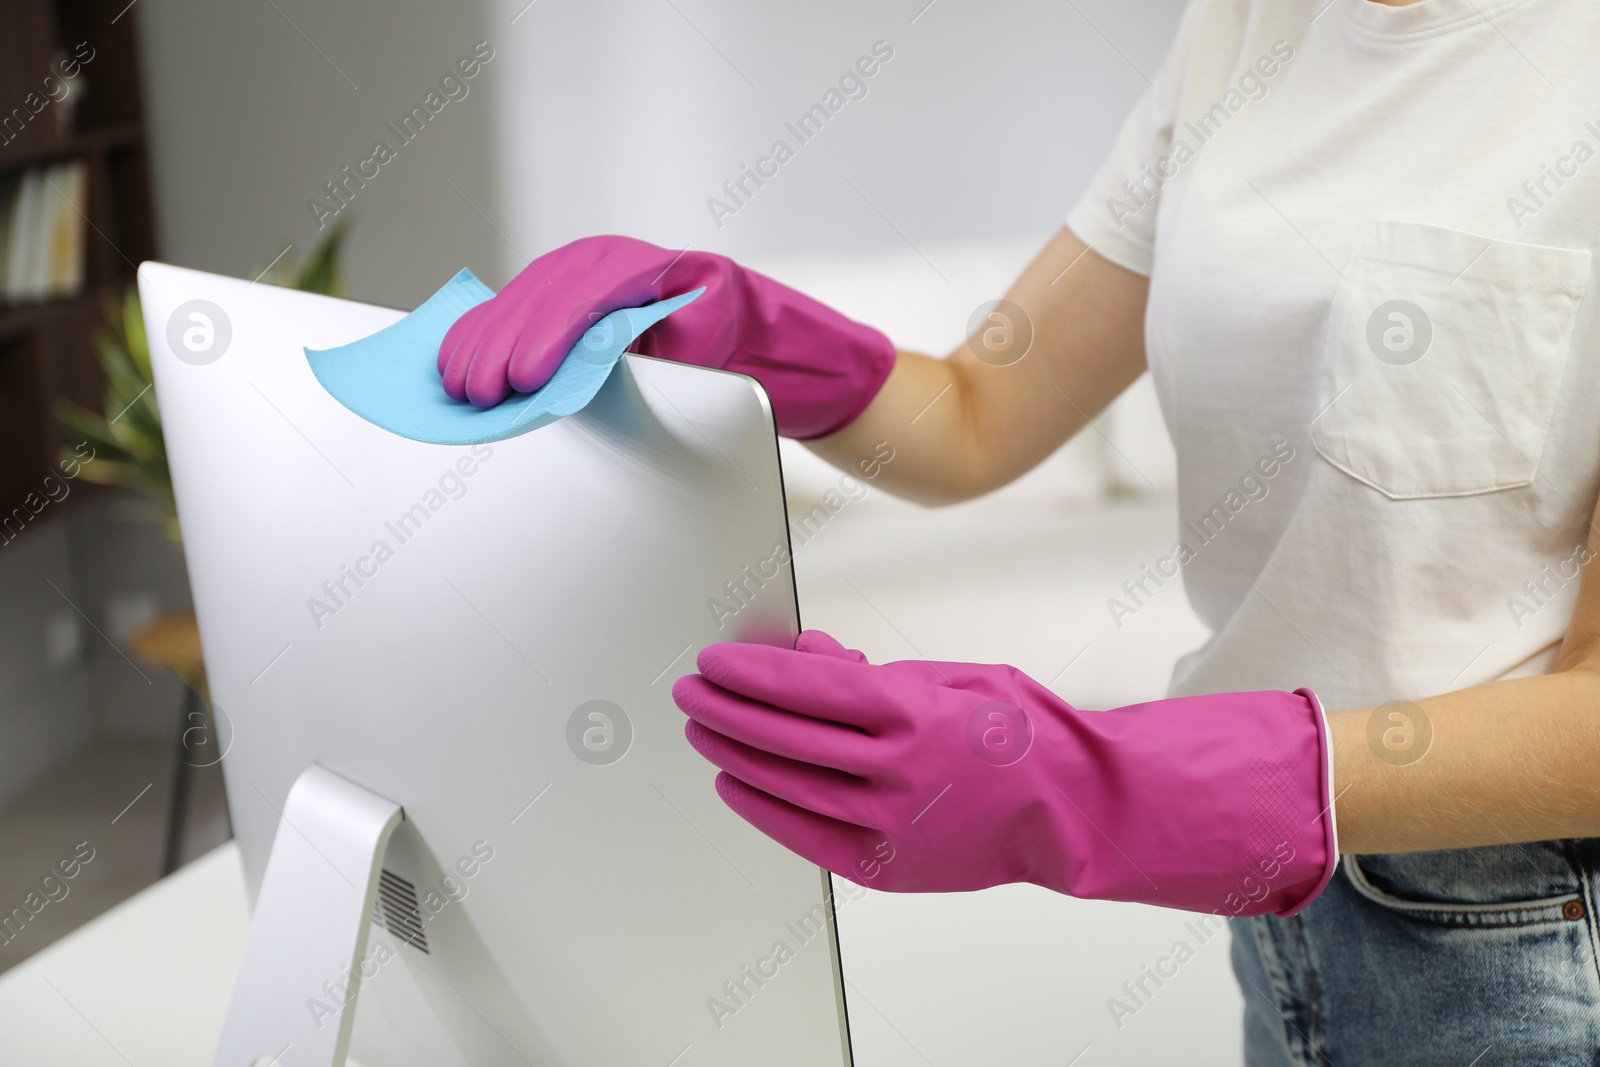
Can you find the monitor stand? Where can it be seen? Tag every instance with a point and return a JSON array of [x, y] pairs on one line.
[[294, 1000]]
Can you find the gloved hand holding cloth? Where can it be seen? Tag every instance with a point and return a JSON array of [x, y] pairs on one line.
[[819, 369], [923, 776]]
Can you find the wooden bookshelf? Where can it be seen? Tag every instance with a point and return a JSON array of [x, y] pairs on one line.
[[46, 347]]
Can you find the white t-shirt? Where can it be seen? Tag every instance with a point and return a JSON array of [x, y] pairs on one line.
[[1369, 232]]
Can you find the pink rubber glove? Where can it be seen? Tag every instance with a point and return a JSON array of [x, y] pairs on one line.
[[819, 369], [938, 777]]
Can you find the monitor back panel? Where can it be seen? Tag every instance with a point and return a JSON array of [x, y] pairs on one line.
[[488, 636]]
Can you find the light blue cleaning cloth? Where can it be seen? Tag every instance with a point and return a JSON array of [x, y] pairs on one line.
[[391, 379]]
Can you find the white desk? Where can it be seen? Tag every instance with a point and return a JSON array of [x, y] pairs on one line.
[[147, 983]]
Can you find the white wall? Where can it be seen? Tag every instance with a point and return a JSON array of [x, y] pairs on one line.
[[625, 116], [253, 106], [986, 123]]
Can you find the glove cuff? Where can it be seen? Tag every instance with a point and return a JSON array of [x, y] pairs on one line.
[[878, 356], [1329, 820], [1216, 803]]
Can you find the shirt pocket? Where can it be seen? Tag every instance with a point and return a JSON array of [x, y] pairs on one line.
[[1443, 356]]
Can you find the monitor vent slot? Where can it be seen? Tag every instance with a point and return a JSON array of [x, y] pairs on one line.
[[396, 910]]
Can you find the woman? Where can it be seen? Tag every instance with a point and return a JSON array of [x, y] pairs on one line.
[[1351, 241]]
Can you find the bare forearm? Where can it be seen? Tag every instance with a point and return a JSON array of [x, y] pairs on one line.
[[922, 413], [1506, 762], [1067, 339]]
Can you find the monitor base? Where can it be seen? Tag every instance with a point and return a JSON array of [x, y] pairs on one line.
[[294, 1000]]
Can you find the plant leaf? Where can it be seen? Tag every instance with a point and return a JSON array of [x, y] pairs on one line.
[[91, 427], [321, 273]]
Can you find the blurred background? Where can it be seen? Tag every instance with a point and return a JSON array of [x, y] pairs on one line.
[[231, 135]]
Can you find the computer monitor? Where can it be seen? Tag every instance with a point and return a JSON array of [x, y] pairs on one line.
[[442, 677]]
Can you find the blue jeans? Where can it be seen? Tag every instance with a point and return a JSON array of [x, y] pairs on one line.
[[1479, 957]]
